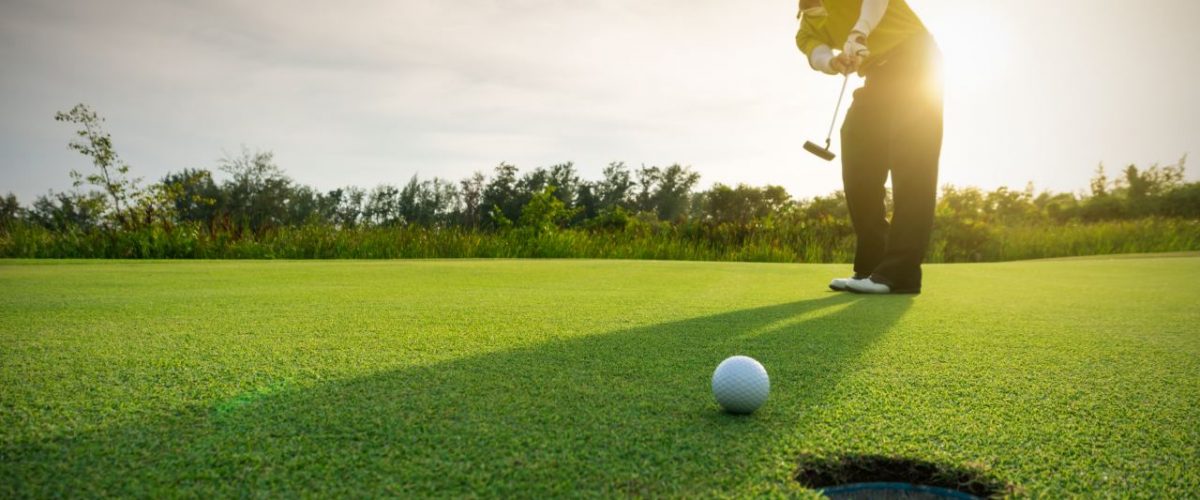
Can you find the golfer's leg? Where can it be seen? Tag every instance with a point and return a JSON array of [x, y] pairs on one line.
[[916, 149], [864, 171]]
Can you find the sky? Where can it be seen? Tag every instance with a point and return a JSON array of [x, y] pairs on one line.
[[366, 92]]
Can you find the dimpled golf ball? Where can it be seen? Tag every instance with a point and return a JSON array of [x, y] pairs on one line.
[[740, 384]]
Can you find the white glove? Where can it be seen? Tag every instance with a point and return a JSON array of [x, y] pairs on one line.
[[856, 47], [821, 59]]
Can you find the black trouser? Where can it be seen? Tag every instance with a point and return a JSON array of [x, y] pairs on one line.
[[895, 124]]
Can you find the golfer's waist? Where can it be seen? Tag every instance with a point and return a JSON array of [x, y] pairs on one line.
[[916, 52]]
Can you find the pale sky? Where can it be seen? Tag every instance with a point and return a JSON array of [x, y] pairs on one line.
[[369, 92]]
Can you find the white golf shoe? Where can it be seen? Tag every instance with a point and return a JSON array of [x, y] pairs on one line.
[[843, 284], [868, 286]]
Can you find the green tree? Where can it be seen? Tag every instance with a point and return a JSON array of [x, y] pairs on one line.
[[1099, 182], [112, 174], [306, 205], [500, 195], [616, 189], [825, 208], [1059, 207], [383, 206], [10, 211], [343, 207], [163, 204], [545, 213], [665, 192], [742, 205], [195, 197], [68, 211], [565, 180], [587, 204], [428, 203], [675, 185], [472, 199], [1153, 181], [259, 193]]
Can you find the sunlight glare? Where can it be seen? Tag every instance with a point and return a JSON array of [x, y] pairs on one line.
[[975, 41]]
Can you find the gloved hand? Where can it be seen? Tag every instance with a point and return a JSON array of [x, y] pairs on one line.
[[823, 60], [843, 64], [855, 50]]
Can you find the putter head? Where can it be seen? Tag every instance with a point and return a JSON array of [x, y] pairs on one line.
[[821, 152]]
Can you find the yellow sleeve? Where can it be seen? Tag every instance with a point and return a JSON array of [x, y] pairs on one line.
[[812, 34]]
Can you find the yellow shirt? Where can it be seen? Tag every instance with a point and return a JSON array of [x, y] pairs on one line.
[[899, 23]]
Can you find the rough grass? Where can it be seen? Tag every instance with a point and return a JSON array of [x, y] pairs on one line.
[[533, 378], [825, 241]]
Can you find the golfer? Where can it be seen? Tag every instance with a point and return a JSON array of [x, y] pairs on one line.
[[894, 125]]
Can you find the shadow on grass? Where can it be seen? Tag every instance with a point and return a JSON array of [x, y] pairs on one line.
[[626, 412]]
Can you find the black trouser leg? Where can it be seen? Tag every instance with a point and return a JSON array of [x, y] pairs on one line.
[[864, 172], [916, 148]]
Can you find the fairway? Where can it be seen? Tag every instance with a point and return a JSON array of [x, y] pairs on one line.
[[531, 378]]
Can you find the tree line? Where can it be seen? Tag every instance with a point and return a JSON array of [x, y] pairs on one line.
[[256, 196]]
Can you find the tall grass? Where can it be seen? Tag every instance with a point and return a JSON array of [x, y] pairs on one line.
[[812, 243], [1113, 237]]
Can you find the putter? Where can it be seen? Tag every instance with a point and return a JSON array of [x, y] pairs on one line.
[[824, 152]]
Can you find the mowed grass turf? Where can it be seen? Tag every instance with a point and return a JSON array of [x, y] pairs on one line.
[[532, 378]]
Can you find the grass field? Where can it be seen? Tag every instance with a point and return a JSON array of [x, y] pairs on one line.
[[532, 378]]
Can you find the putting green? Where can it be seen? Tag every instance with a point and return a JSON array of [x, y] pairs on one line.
[[532, 378]]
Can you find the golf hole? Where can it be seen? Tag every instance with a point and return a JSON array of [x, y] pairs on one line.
[[874, 476]]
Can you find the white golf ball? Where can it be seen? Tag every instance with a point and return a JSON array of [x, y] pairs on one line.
[[740, 384]]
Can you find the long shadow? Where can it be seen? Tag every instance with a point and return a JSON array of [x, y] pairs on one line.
[[627, 412]]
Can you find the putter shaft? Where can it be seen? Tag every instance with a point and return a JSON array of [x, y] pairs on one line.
[[836, 109]]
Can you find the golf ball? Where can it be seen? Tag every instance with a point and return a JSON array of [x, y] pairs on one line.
[[740, 384]]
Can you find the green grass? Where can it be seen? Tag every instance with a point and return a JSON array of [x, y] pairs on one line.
[[532, 378], [821, 241]]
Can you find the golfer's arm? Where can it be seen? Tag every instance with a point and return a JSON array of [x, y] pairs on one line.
[[870, 15], [812, 41]]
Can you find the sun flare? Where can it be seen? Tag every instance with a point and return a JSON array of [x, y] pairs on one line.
[[975, 42]]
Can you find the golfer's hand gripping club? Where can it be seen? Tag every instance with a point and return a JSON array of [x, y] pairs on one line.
[[855, 51]]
